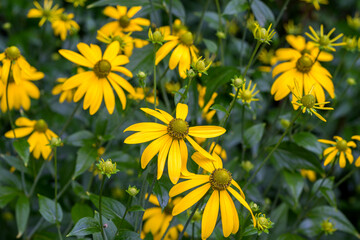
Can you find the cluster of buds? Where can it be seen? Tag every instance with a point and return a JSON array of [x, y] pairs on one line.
[[263, 224], [156, 38], [263, 35], [107, 167]]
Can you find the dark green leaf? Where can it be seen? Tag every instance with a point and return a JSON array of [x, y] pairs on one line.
[[22, 212], [86, 156], [293, 157], [250, 230], [161, 192], [14, 162], [295, 183], [22, 148], [219, 107], [210, 45], [127, 3], [142, 60], [289, 236], [47, 209], [178, 9], [85, 226], [136, 208], [253, 135], [180, 94], [79, 211], [125, 235], [108, 226], [329, 195], [9, 179], [7, 194], [308, 141], [78, 138], [234, 7], [262, 12], [279, 216], [111, 208]]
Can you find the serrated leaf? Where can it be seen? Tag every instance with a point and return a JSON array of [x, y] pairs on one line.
[[136, 208], [295, 183], [127, 3], [47, 209], [79, 211], [219, 107], [210, 45], [253, 135], [85, 226], [262, 12], [22, 212], [234, 7], [86, 156], [22, 148]]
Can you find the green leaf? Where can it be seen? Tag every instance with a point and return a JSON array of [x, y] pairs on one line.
[[308, 141], [279, 216], [262, 12], [321, 213], [127, 3], [9, 179], [15, 162], [218, 107], [110, 229], [126, 234], [234, 7], [47, 209], [86, 156], [254, 134], [295, 184], [329, 195], [78, 139], [7, 194], [292, 157], [161, 191], [85, 226], [250, 230], [326, 189], [210, 45], [22, 212], [136, 208], [142, 59], [79, 211], [180, 94], [289, 236], [178, 9], [22, 148]]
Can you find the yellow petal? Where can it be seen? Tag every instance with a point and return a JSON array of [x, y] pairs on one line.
[[206, 131], [357, 162], [227, 217], [108, 96], [119, 92], [236, 217], [151, 212], [184, 157], [146, 127], [342, 161], [243, 202], [23, 121], [188, 184], [75, 58], [233, 182], [185, 61], [326, 141], [330, 157], [119, 60], [164, 50], [351, 144], [132, 11], [349, 155], [181, 111], [190, 199], [111, 51], [153, 199], [199, 149], [175, 56], [123, 70], [174, 162], [88, 53], [151, 150], [163, 153], [78, 79], [356, 137], [19, 132], [111, 12], [141, 137], [203, 162], [155, 114], [328, 150], [167, 116], [210, 215]]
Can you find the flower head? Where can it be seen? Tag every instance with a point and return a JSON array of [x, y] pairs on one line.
[[97, 83], [263, 35], [64, 23], [39, 139], [46, 13], [132, 191], [206, 114], [77, 3], [354, 22], [316, 3], [247, 94], [350, 43], [178, 28], [342, 147], [200, 66], [107, 167], [157, 37], [263, 223], [220, 184], [169, 140], [328, 227], [323, 41]]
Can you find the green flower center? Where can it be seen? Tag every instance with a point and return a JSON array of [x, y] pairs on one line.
[[64, 17], [12, 53], [200, 66], [178, 128], [168, 209], [102, 68], [308, 101], [324, 41], [109, 167], [40, 126], [263, 221], [157, 36], [246, 95], [341, 145], [220, 179], [187, 39], [304, 64], [124, 21]]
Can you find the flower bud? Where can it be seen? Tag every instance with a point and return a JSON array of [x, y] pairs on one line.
[[263, 223], [351, 81], [56, 142], [247, 166], [328, 227], [107, 167], [132, 191], [254, 207]]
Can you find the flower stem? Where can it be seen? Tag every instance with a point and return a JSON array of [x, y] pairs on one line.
[[206, 5], [272, 151], [345, 178], [184, 95], [154, 74], [242, 133], [69, 119], [56, 193], [221, 29], [100, 209]]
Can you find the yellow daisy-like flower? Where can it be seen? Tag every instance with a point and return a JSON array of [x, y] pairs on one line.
[[96, 83], [357, 138], [64, 23], [140, 95], [306, 71], [342, 147], [124, 21], [316, 3], [247, 94], [77, 3], [293, 29], [351, 43], [221, 183], [67, 95], [309, 174], [19, 94], [355, 21], [206, 114], [169, 140], [184, 52], [268, 58], [178, 28], [218, 150], [172, 87], [323, 41], [263, 35], [46, 13], [39, 138], [157, 220], [12, 57]]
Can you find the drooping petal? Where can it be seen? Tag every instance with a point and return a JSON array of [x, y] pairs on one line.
[[198, 148], [227, 217], [122, 82], [19, 132], [151, 150], [330, 157], [233, 182], [23, 121], [163, 153], [109, 96], [88, 53], [206, 131], [327, 141], [164, 50], [174, 162], [243, 202], [155, 114], [203, 162], [342, 161], [210, 215], [78, 79]]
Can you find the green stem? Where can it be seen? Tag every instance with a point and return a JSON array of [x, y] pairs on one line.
[[201, 20], [154, 74], [251, 58], [184, 95], [126, 210], [242, 133], [345, 178], [36, 180], [100, 209], [56, 194], [221, 30], [193, 231], [69, 119], [272, 151]]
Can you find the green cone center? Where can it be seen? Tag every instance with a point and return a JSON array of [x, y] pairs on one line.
[[157, 36], [200, 66], [308, 101], [178, 128], [124, 21], [220, 179], [341, 145], [102, 68], [12, 53], [304, 64], [187, 39], [40, 126], [324, 40], [246, 95]]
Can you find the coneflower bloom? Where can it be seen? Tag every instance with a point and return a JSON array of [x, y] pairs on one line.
[[67, 95], [39, 138], [46, 13], [64, 23], [323, 41], [96, 83], [219, 183], [169, 140], [247, 94], [357, 138]]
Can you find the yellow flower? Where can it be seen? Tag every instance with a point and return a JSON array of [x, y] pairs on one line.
[[263, 35], [19, 94], [307, 102], [77, 3], [309, 174], [157, 220], [340, 146], [247, 94], [64, 23], [178, 29], [206, 114], [219, 181], [172, 87], [39, 138], [67, 95], [302, 67], [12, 57], [293, 29], [263, 223], [96, 83], [169, 140], [350, 43], [46, 13], [357, 138], [183, 54], [355, 21], [316, 3], [323, 41], [140, 95], [124, 21], [328, 227], [218, 150], [251, 23], [268, 58]]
